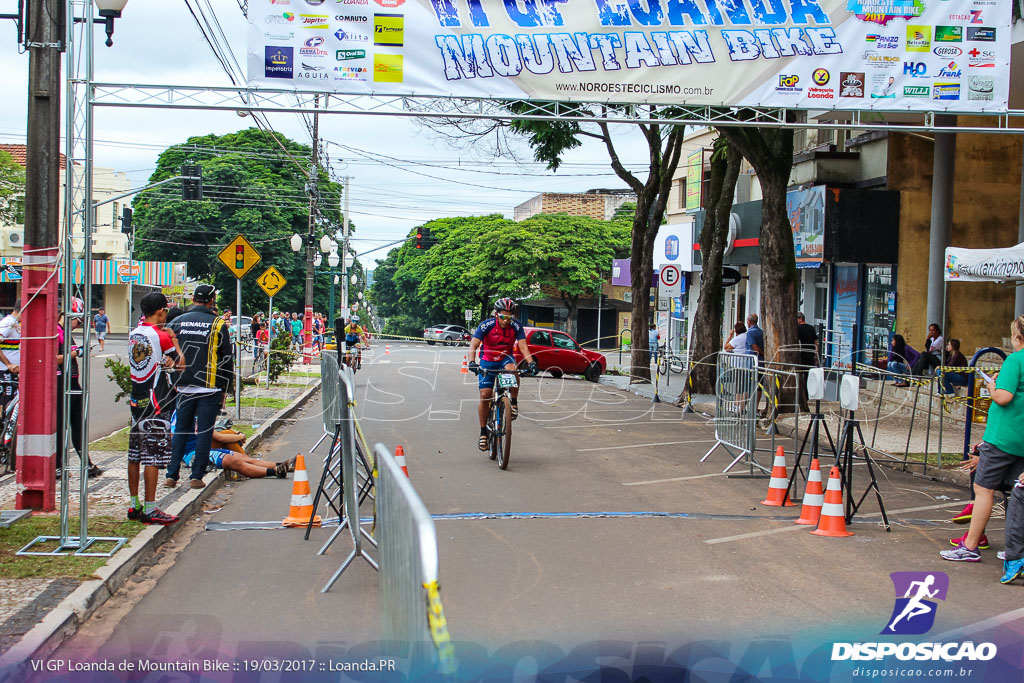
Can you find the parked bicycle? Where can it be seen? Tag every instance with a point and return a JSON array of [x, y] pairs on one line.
[[499, 421], [9, 427], [670, 360]]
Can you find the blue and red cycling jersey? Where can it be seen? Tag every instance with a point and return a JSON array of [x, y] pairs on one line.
[[498, 342]]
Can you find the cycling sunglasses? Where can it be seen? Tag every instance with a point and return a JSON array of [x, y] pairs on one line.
[[504, 316]]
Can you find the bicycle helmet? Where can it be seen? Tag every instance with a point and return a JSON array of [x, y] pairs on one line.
[[355, 319], [506, 304]]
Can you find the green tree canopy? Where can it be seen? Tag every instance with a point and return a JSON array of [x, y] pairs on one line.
[[12, 187], [253, 184]]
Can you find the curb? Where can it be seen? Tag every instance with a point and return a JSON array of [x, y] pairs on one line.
[[75, 609]]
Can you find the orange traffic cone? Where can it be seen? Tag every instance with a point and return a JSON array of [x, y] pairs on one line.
[[778, 486], [400, 459], [387, 349], [833, 516], [465, 367], [813, 496], [302, 502]]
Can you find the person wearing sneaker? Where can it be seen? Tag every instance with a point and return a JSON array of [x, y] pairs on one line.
[[1000, 461], [497, 338], [152, 354], [226, 453]]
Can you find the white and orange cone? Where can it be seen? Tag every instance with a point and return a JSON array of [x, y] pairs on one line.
[[302, 501], [833, 517], [387, 349], [400, 459], [465, 367], [778, 485], [813, 496]]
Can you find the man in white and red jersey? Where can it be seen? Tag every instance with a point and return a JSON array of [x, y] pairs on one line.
[[153, 353], [497, 338]]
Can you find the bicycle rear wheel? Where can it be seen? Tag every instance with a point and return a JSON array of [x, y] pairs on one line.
[[504, 439], [675, 364], [662, 364]]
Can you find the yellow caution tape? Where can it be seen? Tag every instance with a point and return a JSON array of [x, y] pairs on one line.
[[439, 630]]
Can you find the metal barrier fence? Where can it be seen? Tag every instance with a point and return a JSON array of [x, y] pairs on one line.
[[330, 380], [410, 602], [735, 406]]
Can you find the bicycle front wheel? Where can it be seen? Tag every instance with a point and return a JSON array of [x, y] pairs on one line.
[[662, 365], [675, 363], [505, 432], [493, 427]]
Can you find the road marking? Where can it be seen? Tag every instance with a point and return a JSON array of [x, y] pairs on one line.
[[768, 532], [382, 362], [662, 481], [643, 445], [983, 625]]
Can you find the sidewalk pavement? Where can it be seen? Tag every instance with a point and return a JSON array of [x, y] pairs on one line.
[[36, 614]]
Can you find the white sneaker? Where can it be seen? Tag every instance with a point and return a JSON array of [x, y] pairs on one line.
[[1001, 555]]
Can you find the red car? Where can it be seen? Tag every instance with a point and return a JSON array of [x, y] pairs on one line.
[[559, 353]]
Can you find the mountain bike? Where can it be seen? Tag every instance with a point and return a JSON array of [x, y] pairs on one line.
[[9, 428], [499, 422], [669, 360], [354, 359]]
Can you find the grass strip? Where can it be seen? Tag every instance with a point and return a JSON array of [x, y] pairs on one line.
[[23, 532]]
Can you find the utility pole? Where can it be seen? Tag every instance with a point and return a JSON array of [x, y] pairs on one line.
[[37, 421], [307, 324], [345, 313]]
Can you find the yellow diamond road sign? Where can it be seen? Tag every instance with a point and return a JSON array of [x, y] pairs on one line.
[[239, 256], [271, 281]]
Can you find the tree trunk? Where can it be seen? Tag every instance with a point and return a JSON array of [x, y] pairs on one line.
[[770, 152], [572, 305], [640, 269], [707, 321]]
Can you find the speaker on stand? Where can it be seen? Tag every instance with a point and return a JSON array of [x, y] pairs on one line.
[[849, 400], [815, 392]]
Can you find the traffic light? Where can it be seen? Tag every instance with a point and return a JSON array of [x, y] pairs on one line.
[[126, 220], [192, 182], [423, 240], [419, 238]]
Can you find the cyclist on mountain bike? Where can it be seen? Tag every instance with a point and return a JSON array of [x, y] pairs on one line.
[[354, 334], [497, 336]]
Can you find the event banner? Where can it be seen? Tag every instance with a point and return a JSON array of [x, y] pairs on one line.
[[985, 265], [923, 55]]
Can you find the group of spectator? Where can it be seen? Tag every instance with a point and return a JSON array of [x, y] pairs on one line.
[[905, 360], [181, 368]]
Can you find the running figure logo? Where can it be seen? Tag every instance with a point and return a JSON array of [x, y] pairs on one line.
[[914, 612]]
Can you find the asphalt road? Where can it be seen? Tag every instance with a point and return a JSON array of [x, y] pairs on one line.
[[721, 568], [105, 416]]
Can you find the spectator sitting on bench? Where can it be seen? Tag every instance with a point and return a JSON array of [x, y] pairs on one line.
[[901, 356], [956, 360]]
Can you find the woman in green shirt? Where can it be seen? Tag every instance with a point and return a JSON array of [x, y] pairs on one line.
[[1001, 463]]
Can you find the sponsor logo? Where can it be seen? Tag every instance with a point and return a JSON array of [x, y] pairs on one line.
[[949, 34], [981, 87], [945, 91], [882, 42], [851, 84], [278, 62], [951, 70], [312, 72], [353, 2], [821, 93], [314, 3], [344, 55], [914, 614], [982, 34], [351, 36], [820, 76], [915, 69], [919, 38], [312, 52], [318, 21], [883, 86], [916, 91], [390, 4], [352, 18], [387, 68], [973, 16], [279, 36], [876, 61], [351, 73], [788, 84], [978, 59], [283, 18], [947, 51], [389, 31], [315, 41]]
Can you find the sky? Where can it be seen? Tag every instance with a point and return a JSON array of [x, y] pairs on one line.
[[402, 174]]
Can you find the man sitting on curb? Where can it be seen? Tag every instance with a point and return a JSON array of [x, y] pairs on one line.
[[226, 453]]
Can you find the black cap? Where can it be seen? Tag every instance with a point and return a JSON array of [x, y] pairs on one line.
[[204, 294], [152, 302]]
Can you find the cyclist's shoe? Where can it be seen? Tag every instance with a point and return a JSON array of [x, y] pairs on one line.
[[281, 470], [482, 443], [1012, 570], [291, 463], [965, 515], [982, 544], [515, 410], [961, 553], [134, 513], [95, 471], [158, 516]]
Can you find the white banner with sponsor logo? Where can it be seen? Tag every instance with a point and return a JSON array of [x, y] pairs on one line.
[[923, 55], [985, 265]]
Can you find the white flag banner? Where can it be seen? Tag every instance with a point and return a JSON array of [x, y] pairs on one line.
[[895, 55], [985, 265]]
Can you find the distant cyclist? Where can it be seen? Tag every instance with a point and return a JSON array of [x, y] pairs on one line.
[[496, 338], [354, 334]]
